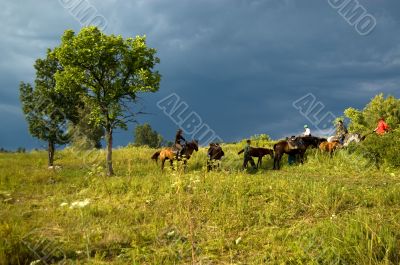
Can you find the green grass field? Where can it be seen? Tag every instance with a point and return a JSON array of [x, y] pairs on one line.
[[327, 211]]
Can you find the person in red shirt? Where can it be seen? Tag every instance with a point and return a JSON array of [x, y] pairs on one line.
[[382, 127]]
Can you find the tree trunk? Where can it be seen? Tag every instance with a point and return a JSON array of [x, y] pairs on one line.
[[51, 150], [110, 171]]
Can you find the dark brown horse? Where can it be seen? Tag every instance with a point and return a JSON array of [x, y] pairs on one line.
[[171, 155], [295, 146], [215, 154], [259, 152]]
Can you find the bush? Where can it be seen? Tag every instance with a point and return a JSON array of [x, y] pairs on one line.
[[381, 150]]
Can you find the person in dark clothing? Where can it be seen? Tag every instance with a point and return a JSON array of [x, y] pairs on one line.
[[247, 157], [291, 159], [341, 131], [179, 141]]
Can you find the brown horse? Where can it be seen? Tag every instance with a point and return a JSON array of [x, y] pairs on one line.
[[215, 154], [329, 147], [295, 146], [171, 155], [259, 152]]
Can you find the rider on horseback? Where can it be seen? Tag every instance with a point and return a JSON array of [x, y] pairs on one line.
[[180, 142], [341, 131], [307, 131]]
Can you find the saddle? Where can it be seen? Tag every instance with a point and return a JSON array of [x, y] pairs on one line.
[[292, 142]]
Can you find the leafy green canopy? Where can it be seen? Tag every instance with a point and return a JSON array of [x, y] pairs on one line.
[[46, 110], [108, 72], [364, 121], [380, 150]]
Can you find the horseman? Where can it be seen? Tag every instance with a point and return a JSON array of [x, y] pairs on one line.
[[382, 127], [307, 131], [341, 131], [247, 157], [180, 141]]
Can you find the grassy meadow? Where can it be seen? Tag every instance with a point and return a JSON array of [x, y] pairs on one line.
[[327, 211]]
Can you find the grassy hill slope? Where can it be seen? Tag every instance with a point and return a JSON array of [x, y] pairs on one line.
[[327, 211]]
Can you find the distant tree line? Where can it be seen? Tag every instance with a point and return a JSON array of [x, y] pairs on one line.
[[18, 150]]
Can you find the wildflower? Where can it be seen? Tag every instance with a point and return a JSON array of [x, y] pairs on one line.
[[80, 204], [238, 240]]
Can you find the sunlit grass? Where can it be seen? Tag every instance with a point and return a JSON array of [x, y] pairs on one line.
[[327, 211]]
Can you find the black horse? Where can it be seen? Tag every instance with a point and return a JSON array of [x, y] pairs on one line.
[[215, 154], [259, 152], [312, 141], [295, 146]]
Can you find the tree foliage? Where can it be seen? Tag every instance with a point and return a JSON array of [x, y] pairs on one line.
[[85, 134], [378, 149], [364, 121], [108, 73], [145, 135], [47, 110]]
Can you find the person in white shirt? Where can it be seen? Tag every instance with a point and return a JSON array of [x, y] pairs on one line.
[[307, 131]]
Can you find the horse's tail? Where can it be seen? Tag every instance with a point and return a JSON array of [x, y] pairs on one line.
[[271, 152], [155, 156]]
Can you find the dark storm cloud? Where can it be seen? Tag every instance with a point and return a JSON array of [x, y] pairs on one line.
[[238, 64]]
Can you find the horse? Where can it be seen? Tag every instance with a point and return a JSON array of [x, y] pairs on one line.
[[259, 152], [350, 138], [312, 141], [329, 147], [169, 154], [215, 154], [295, 146]]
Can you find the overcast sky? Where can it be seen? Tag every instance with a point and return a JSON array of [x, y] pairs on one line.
[[238, 64]]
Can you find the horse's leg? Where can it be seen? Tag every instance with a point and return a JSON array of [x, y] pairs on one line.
[[162, 163], [278, 161], [259, 162], [275, 158], [184, 165]]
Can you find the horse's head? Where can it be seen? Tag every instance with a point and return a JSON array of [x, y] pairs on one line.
[[194, 145]]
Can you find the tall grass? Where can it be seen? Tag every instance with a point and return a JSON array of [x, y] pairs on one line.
[[327, 211]]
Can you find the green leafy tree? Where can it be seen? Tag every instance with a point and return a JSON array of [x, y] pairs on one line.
[[364, 121], [46, 110], [145, 135], [378, 149], [108, 72]]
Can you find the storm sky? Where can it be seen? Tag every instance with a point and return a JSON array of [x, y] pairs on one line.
[[238, 64]]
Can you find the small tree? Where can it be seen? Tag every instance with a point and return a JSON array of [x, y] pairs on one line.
[[46, 110], [145, 135], [108, 72]]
